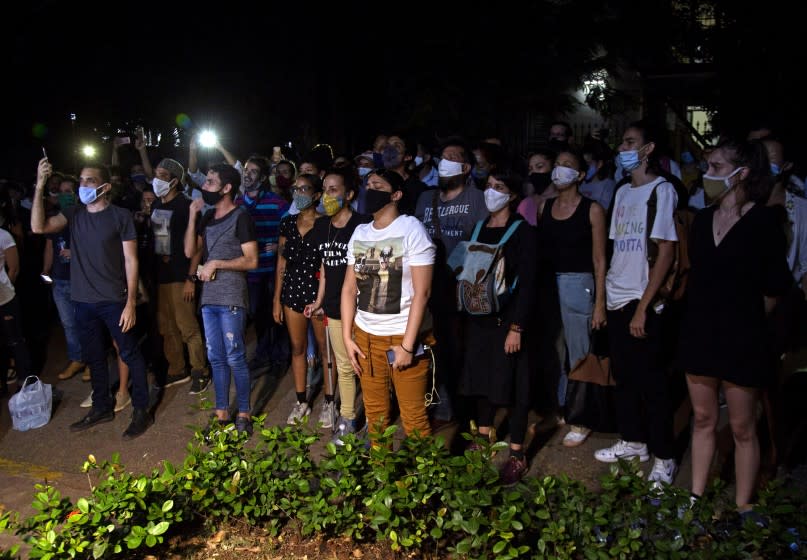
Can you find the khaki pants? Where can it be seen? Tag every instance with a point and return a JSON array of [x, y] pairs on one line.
[[344, 369], [178, 324], [409, 384]]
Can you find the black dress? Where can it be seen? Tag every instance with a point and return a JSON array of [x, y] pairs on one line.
[[487, 371], [301, 281], [724, 328]]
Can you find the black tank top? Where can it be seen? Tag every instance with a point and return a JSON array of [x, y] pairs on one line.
[[567, 243]]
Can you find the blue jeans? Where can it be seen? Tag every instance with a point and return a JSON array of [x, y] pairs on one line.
[[224, 329], [67, 315], [576, 295], [92, 319]]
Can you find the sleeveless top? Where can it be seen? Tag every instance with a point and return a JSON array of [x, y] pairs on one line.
[[567, 244]]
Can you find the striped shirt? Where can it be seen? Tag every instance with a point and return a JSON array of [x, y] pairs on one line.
[[265, 212]]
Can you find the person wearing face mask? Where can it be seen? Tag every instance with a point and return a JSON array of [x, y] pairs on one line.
[[364, 165], [225, 236], [643, 410], [738, 270], [496, 371], [572, 237], [449, 215], [296, 285], [266, 209], [176, 282], [103, 282], [330, 235], [383, 308], [599, 183], [398, 156], [539, 186]]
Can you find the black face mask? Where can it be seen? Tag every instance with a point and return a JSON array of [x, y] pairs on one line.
[[540, 181], [212, 198], [376, 200]]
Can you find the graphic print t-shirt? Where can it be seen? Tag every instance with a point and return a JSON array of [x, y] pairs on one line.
[[629, 271], [382, 261]]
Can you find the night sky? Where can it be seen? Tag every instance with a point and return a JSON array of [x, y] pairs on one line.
[[266, 73]]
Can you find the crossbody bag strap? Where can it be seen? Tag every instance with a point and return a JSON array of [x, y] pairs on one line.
[[438, 234]]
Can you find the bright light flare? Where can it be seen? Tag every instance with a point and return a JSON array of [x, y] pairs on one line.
[[208, 139], [88, 151]]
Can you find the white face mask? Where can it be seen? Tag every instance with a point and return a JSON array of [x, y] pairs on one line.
[[449, 168], [495, 200], [161, 188], [562, 176], [418, 160]]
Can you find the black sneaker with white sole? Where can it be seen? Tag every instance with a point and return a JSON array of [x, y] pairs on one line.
[[199, 382], [177, 379]]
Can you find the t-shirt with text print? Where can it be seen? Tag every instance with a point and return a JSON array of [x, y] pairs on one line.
[[629, 271]]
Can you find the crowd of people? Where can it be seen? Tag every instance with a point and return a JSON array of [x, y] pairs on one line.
[[345, 260]]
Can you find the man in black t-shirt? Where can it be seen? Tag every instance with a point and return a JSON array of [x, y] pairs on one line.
[[103, 281]]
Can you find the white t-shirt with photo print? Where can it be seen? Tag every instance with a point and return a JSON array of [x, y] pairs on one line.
[[629, 271], [382, 261]]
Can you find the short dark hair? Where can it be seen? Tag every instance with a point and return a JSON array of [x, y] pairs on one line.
[[315, 181], [103, 170], [348, 175], [261, 162], [227, 175]]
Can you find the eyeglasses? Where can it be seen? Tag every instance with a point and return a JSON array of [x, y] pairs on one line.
[[301, 189]]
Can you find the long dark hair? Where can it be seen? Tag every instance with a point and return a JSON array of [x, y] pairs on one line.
[[752, 155]]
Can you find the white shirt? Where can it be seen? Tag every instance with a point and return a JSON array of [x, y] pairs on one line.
[[382, 260], [797, 240], [7, 291], [629, 271]]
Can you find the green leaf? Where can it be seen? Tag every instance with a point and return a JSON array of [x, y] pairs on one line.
[[82, 505], [499, 546], [159, 528], [99, 548], [168, 505], [151, 540]]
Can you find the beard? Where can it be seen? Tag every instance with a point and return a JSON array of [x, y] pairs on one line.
[[449, 183]]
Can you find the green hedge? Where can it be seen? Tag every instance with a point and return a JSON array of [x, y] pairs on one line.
[[418, 497]]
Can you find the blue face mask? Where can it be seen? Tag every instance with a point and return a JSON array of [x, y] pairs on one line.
[[88, 195], [629, 160], [418, 161], [592, 170], [775, 169], [364, 171]]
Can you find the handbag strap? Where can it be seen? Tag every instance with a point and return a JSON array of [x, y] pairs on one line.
[[25, 383], [477, 229], [510, 231], [438, 234]]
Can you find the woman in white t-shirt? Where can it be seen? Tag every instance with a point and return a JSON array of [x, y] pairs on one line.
[[384, 319]]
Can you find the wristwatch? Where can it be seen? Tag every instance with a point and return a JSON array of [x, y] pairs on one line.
[[191, 278]]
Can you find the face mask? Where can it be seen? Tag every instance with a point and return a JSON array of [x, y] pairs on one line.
[[302, 201], [592, 170], [449, 168], [418, 161], [391, 157], [378, 159], [88, 195], [283, 183], [563, 176], [431, 178], [716, 186], [775, 169], [212, 198], [629, 159], [495, 200], [330, 205], [479, 175], [161, 188], [66, 200], [363, 171], [376, 200], [138, 178], [540, 181]]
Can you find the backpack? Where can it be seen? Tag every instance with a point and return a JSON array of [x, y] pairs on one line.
[[479, 267], [674, 285]]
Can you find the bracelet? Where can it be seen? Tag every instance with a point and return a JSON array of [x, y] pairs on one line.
[[405, 350], [190, 278], [516, 328]]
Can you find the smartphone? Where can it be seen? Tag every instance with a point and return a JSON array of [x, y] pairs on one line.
[[46, 279], [124, 140], [44, 153], [419, 351]]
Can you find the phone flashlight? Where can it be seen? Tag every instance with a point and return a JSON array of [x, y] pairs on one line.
[[207, 139], [45, 278]]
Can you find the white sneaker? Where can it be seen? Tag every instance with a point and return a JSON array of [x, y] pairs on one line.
[[298, 412], [87, 403], [576, 436], [122, 400], [622, 450], [664, 470], [326, 415]]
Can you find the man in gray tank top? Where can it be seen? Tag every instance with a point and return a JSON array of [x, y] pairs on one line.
[[226, 237]]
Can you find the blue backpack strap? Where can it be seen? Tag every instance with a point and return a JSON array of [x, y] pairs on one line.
[[510, 231], [477, 229]]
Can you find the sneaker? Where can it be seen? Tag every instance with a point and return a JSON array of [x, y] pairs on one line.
[[622, 450], [664, 471], [72, 369], [327, 414], [243, 424], [87, 403], [122, 400], [141, 420], [92, 418], [575, 436], [199, 382], [344, 426], [177, 379], [513, 470], [298, 412]]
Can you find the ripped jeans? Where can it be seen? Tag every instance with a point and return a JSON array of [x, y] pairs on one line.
[[226, 349]]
